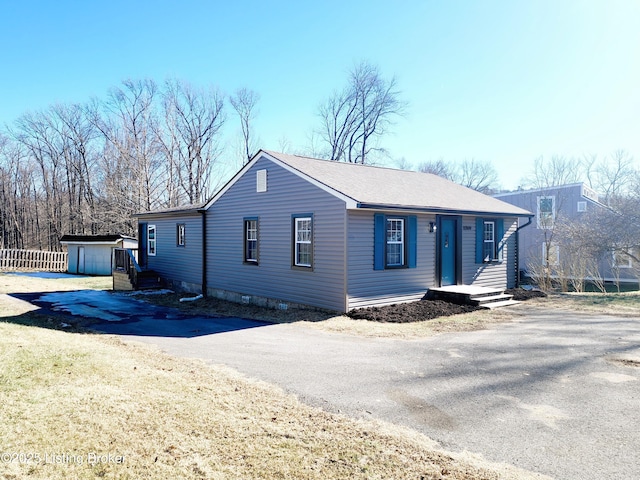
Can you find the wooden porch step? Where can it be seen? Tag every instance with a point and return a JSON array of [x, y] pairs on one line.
[[472, 295], [482, 300], [505, 303]]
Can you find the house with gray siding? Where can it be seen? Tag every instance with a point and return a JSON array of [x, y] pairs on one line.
[[554, 207], [289, 230]]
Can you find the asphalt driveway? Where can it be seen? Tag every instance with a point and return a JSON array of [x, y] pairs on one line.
[[553, 392]]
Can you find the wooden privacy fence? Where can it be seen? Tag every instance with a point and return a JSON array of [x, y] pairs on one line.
[[33, 260]]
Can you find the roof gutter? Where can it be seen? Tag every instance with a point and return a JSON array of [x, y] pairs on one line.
[[442, 211]]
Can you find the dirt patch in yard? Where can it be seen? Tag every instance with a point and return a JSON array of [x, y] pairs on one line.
[[521, 295], [429, 309], [411, 312]]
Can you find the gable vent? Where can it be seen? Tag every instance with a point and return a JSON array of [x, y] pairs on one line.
[[261, 181]]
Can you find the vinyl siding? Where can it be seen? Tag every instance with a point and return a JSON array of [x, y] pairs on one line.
[[274, 277], [498, 275], [369, 287], [532, 237], [566, 203], [174, 263], [97, 259]]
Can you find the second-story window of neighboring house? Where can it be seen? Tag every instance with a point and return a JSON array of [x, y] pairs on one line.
[[622, 259], [546, 214]]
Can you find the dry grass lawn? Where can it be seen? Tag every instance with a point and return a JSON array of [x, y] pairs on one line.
[[87, 406], [618, 304]]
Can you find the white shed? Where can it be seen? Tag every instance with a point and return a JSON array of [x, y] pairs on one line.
[[93, 254]]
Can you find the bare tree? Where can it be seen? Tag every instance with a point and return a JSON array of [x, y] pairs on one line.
[[339, 122], [355, 118], [76, 136], [18, 212], [588, 165], [554, 172], [474, 174], [87, 168], [477, 175], [244, 102], [439, 167], [34, 131], [284, 144], [131, 165], [546, 177], [615, 176], [196, 118], [403, 164]]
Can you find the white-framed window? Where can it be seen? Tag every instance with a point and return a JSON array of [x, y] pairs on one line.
[[180, 234], [553, 257], [251, 240], [151, 240], [582, 206], [622, 260], [490, 240], [303, 241], [395, 242], [546, 211], [489, 251]]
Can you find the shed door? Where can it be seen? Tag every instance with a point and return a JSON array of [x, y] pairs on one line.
[[80, 260], [448, 245]]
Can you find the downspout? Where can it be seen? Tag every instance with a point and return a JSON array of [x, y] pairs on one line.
[[518, 250], [345, 260], [204, 252]]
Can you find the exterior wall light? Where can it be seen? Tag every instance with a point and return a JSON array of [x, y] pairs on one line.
[[432, 227]]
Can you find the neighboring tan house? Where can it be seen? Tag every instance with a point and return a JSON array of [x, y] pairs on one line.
[[563, 203], [291, 229], [93, 254]]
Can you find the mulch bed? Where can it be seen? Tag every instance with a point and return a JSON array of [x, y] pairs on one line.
[[428, 309], [520, 294], [410, 312]]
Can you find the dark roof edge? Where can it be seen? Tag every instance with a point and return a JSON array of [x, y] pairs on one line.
[[442, 211], [95, 238], [170, 213]]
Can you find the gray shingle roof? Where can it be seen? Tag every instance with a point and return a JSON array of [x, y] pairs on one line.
[[388, 187]]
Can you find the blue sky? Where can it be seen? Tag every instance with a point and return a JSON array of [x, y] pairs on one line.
[[504, 81]]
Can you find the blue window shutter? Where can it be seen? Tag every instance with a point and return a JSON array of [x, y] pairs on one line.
[[378, 241], [412, 236], [479, 240], [499, 235]]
